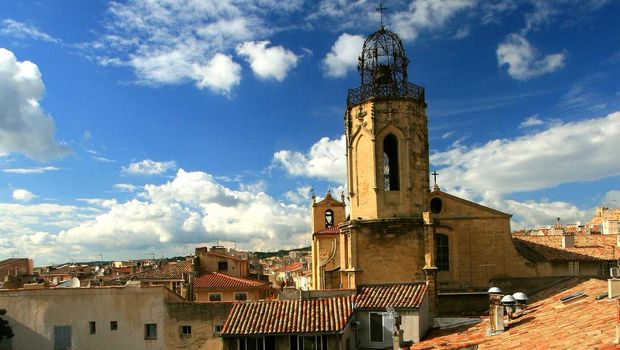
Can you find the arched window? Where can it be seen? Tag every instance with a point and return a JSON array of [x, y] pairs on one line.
[[390, 163], [442, 252], [329, 218]]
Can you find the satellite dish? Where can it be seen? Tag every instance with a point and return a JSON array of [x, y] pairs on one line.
[[75, 283]]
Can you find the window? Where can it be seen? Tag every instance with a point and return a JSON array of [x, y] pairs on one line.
[[251, 343], [376, 327], [218, 328], [312, 342], [150, 331], [113, 325], [215, 296], [92, 327], [62, 337], [606, 266], [185, 331], [222, 266], [329, 218], [442, 252], [436, 205], [241, 296], [390, 163], [573, 268]]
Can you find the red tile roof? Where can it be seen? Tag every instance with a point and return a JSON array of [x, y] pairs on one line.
[[218, 280], [328, 315], [549, 248], [292, 267], [548, 323], [170, 271], [398, 296], [333, 230]]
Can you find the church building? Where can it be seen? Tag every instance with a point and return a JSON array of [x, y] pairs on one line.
[[399, 230]]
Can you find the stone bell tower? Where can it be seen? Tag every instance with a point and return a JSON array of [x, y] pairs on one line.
[[386, 134], [386, 238]]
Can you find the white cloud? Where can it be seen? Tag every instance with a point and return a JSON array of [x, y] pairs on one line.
[[300, 196], [423, 14], [24, 126], [523, 61], [268, 62], [192, 208], [99, 202], [325, 160], [220, 74], [23, 195], [35, 170], [531, 121], [611, 199], [22, 30], [172, 42], [563, 153], [126, 187], [343, 55], [149, 167]]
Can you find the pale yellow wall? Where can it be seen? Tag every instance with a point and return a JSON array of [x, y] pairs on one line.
[[318, 210], [387, 250], [229, 295], [368, 124], [209, 262], [202, 318]]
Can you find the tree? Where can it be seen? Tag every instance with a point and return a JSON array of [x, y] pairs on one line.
[[5, 328]]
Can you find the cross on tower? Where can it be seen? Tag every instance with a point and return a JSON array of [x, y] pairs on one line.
[[381, 9], [435, 176]]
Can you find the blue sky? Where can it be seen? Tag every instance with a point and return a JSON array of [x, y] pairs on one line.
[[130, 127]]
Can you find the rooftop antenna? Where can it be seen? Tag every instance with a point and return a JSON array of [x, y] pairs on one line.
[[13, 254], [381, 9]]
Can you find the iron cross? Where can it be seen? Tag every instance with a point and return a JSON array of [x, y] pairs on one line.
[[381, 9], [435, 176]]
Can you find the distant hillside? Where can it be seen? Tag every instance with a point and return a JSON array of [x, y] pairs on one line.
[[279, 253]]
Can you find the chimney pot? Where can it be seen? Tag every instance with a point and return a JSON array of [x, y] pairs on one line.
[[568, 241]]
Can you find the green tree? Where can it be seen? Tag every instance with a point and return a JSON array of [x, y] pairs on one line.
[[5, 328]]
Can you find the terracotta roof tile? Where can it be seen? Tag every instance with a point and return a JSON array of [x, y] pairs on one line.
[[333, 230], [218, 280], [292, 267], [328, 315], [587, 247], [548, 323], [170, 271], [398, 296]]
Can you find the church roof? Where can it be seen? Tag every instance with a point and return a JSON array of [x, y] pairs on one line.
[[548, 323], [398, 296], [439, 193], [593, 247], [333, 230], [327, 315]]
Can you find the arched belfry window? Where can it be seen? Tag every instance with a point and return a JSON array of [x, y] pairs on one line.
[[390, 163], [442, 252], [329, 218]]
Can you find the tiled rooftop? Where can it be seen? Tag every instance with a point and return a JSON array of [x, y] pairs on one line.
[[333, 230], [549, 248], [292, 267], [218, 280], [328, 315], [548, 323], [170, 271], [398, 296]]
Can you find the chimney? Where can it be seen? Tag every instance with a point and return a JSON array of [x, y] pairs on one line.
[[557, 223], [568, 241], [496, 311]]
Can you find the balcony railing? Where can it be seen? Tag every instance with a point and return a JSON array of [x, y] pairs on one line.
[[401, 89]]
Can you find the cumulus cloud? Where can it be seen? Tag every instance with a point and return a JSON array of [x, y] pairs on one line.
[[325, 160], [23, 195], [24, 126], [172, 42], [149, 167], [193, 208], [523, 60], [220, 74], [426, 14], [268, 62], [125, 187], [34, 170], [540, 160], [343, 55], [22, 30]]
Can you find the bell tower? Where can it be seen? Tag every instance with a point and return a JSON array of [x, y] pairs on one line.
[[386, 134]]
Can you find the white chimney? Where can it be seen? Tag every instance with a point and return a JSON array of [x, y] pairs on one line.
[[568, 241]]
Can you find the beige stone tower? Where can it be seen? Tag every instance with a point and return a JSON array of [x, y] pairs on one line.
[[326, 215], [387, 166]]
